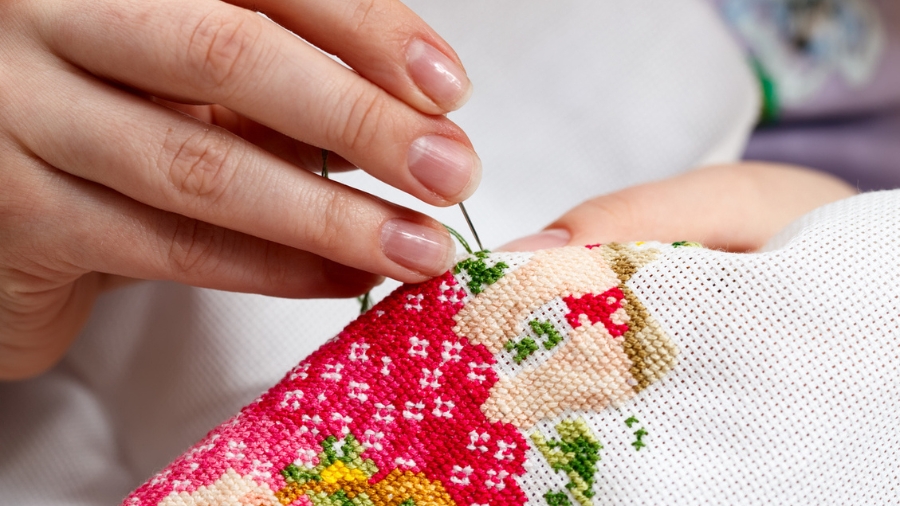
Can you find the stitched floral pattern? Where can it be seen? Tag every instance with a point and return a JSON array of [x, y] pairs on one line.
[[413, 403]]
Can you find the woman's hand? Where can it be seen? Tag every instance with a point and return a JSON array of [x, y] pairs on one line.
[[109, 169], [730, 207]]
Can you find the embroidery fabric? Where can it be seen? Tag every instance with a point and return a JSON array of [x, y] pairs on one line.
[[408, 407], [769, 377]]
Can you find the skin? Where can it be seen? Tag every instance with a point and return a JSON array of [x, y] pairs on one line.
[[166, 140], [736, 207]]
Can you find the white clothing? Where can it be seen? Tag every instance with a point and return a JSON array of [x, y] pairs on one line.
[[573, 98]]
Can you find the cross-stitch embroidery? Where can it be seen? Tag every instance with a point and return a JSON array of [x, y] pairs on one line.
[[345, 480], [429, 398], [525, 347], [605, 319], [481, 275], [575, 453]]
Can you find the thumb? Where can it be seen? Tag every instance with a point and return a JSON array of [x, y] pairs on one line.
[[736, 207]]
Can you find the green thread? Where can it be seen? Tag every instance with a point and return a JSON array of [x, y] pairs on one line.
[[576, 453], [686, 244], [320, 499], [557, 499], [638, 434], [639, 439], [362, 499], [546, 329], [481, 275], [351, 450], [325, 163], [365, 302], [523, 348], [294, 473], [527, 346], [459, 238], [770, 107], [339, 498], [408, 502]]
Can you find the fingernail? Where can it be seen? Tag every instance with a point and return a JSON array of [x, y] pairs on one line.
[[417, 247], [437, 75], [444, 166], [552, 238]]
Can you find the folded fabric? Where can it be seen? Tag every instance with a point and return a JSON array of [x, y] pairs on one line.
[[661, 373], [428, 398]]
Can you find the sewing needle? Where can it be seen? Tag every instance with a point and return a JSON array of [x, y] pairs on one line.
[[471, 227]]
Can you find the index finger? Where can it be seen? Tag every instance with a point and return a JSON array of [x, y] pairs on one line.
[[210, 51], [411, 60]]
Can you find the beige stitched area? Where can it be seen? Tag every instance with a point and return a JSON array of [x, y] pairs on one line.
[[498, 314], [231, 488], [651, 351], [591, 370]]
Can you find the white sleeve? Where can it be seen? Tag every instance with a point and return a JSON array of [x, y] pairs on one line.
[[572, 99]]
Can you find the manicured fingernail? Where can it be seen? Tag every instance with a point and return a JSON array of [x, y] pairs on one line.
[[417, 247], [551, 238], [437, 75], [444, 166]]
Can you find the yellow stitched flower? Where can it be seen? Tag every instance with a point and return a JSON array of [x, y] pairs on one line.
[[340, 473]]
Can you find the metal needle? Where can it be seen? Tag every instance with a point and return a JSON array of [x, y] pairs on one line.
[[471, 227]]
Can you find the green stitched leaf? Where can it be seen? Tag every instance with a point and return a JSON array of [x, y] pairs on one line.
[[576, 453], [556, 499], [523, 348], [546, 329], [481, 275], [295, 474]]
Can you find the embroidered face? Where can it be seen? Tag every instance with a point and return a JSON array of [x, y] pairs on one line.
[[429, 398], [568, 334]]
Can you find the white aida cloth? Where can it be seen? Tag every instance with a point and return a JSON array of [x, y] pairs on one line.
[[644, 373], [787, 387]]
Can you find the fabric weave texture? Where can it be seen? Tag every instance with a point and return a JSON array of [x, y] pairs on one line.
[[660, 373], [431, 396]]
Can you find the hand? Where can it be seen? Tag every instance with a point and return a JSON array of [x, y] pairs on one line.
[[730, 207], [104, 176]]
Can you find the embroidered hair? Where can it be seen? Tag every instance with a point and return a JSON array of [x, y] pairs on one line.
[[651, 352]]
